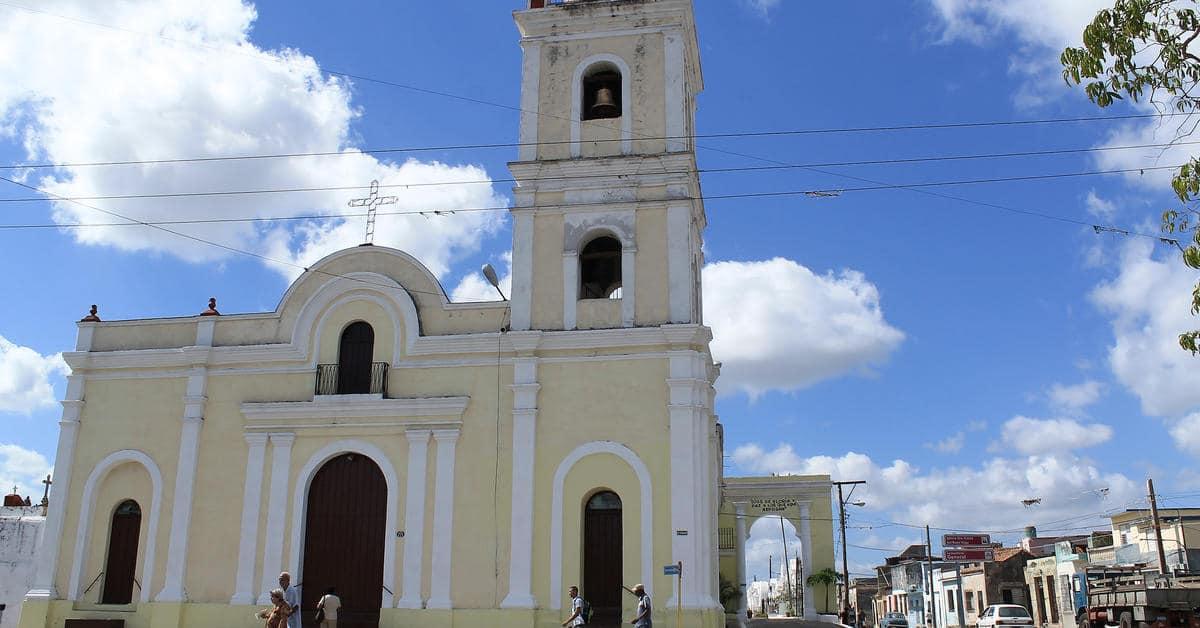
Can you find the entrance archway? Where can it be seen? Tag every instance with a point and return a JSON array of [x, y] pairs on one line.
[[121, 563], [345, 526], [602, 557]]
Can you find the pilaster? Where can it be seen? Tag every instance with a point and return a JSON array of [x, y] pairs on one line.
[[414, 519], [525, 389], [281, 463], [185, 475], [443, 520], [570, 288], [251, 510]]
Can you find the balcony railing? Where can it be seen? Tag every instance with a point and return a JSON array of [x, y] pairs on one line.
[[726, 539], [541, 4], [357, 381]]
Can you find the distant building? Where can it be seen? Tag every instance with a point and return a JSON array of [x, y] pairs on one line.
[[1000, 581], [1135, 544], [862, 596], [20, 537], [902, 585]]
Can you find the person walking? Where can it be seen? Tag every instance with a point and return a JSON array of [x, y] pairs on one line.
[[329, 605], [291, 595], [576, 618], [277, 615], [642, 618]]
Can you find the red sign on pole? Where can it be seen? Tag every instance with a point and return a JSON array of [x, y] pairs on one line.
[[959, 540], [968, 555]]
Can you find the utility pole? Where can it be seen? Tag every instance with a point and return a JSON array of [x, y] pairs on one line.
[[787, 574], [1162, 554], [845, 564], [929, 593]]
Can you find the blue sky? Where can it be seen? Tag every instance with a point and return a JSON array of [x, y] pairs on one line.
[[959, 357]]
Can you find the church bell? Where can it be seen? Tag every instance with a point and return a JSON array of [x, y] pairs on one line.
[[605, 107]]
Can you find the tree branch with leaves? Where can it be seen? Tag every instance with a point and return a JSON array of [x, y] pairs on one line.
[[1143, 50]]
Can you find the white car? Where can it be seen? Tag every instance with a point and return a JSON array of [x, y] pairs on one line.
[[1006, 615]]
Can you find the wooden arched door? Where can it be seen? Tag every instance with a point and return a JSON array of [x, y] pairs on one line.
[[602, 558], [343, 540], [121, 563], [355, 352]]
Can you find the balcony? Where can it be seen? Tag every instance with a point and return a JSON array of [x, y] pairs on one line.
[[368, 379]]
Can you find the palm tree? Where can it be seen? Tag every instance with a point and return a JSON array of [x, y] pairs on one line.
[[827, 577]]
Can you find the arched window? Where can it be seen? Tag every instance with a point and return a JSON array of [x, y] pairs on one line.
[[601, 92], [600, 269], [355, 353], [121, 563]]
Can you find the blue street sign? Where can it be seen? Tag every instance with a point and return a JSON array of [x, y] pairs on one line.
[[671, 570]]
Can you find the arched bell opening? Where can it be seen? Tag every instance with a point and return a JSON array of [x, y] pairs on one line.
[[602, 92], [600, 269]]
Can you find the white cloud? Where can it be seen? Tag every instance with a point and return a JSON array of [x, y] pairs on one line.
[[26, 378], [24, 469], [1186, 433], [1039, 436], [473, 286], [985, 496], [1149, 302], [204, 89], [779, 326], [1075, 398], [951, 444], [763, 7], [1101, 208]]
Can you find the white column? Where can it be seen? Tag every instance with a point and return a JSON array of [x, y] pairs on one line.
[[531, 76], [680, 271], [251, 509], [68, 434], [685, 476], [810, 608], [676, 92], [414, 518], [522, 265], [628, 285], [570, 288], [185, 481], [443, 520], [281, 464], [739, 527], [520, 566]]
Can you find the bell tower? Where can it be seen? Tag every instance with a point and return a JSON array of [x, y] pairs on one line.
[[607, 218]]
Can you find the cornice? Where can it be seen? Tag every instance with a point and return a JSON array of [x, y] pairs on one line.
[[339, 409]]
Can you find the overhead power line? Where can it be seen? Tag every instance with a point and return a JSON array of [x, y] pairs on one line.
[[817, 193], [697, 171], [749, 134]]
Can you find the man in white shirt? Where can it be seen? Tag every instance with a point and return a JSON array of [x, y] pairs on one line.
[[576, 618], [291, 595]]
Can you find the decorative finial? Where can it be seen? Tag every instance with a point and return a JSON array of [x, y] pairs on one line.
[[92, 317], [212, 308]]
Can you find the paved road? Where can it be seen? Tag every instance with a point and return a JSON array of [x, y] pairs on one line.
[[788, 623]]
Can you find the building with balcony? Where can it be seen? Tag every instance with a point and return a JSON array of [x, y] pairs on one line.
[[441, 464]]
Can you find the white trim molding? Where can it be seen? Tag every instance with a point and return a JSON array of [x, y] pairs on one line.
[[251, 511], [414, 519], [88, 507], [47, 567], [443, 521], [185, 473], [626, 101], [337, 410], [531, 78], [525, 389], [281, 464], [556, 513], [300, 505]]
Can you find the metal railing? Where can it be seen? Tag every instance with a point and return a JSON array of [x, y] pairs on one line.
[[359, 382], [726, 539], [541, 4]]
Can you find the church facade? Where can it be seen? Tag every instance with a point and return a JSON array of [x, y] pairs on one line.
[[438, 463]]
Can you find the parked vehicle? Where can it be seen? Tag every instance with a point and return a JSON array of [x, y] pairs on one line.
[[1005, 615], [1142, 600], [894, 620]]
